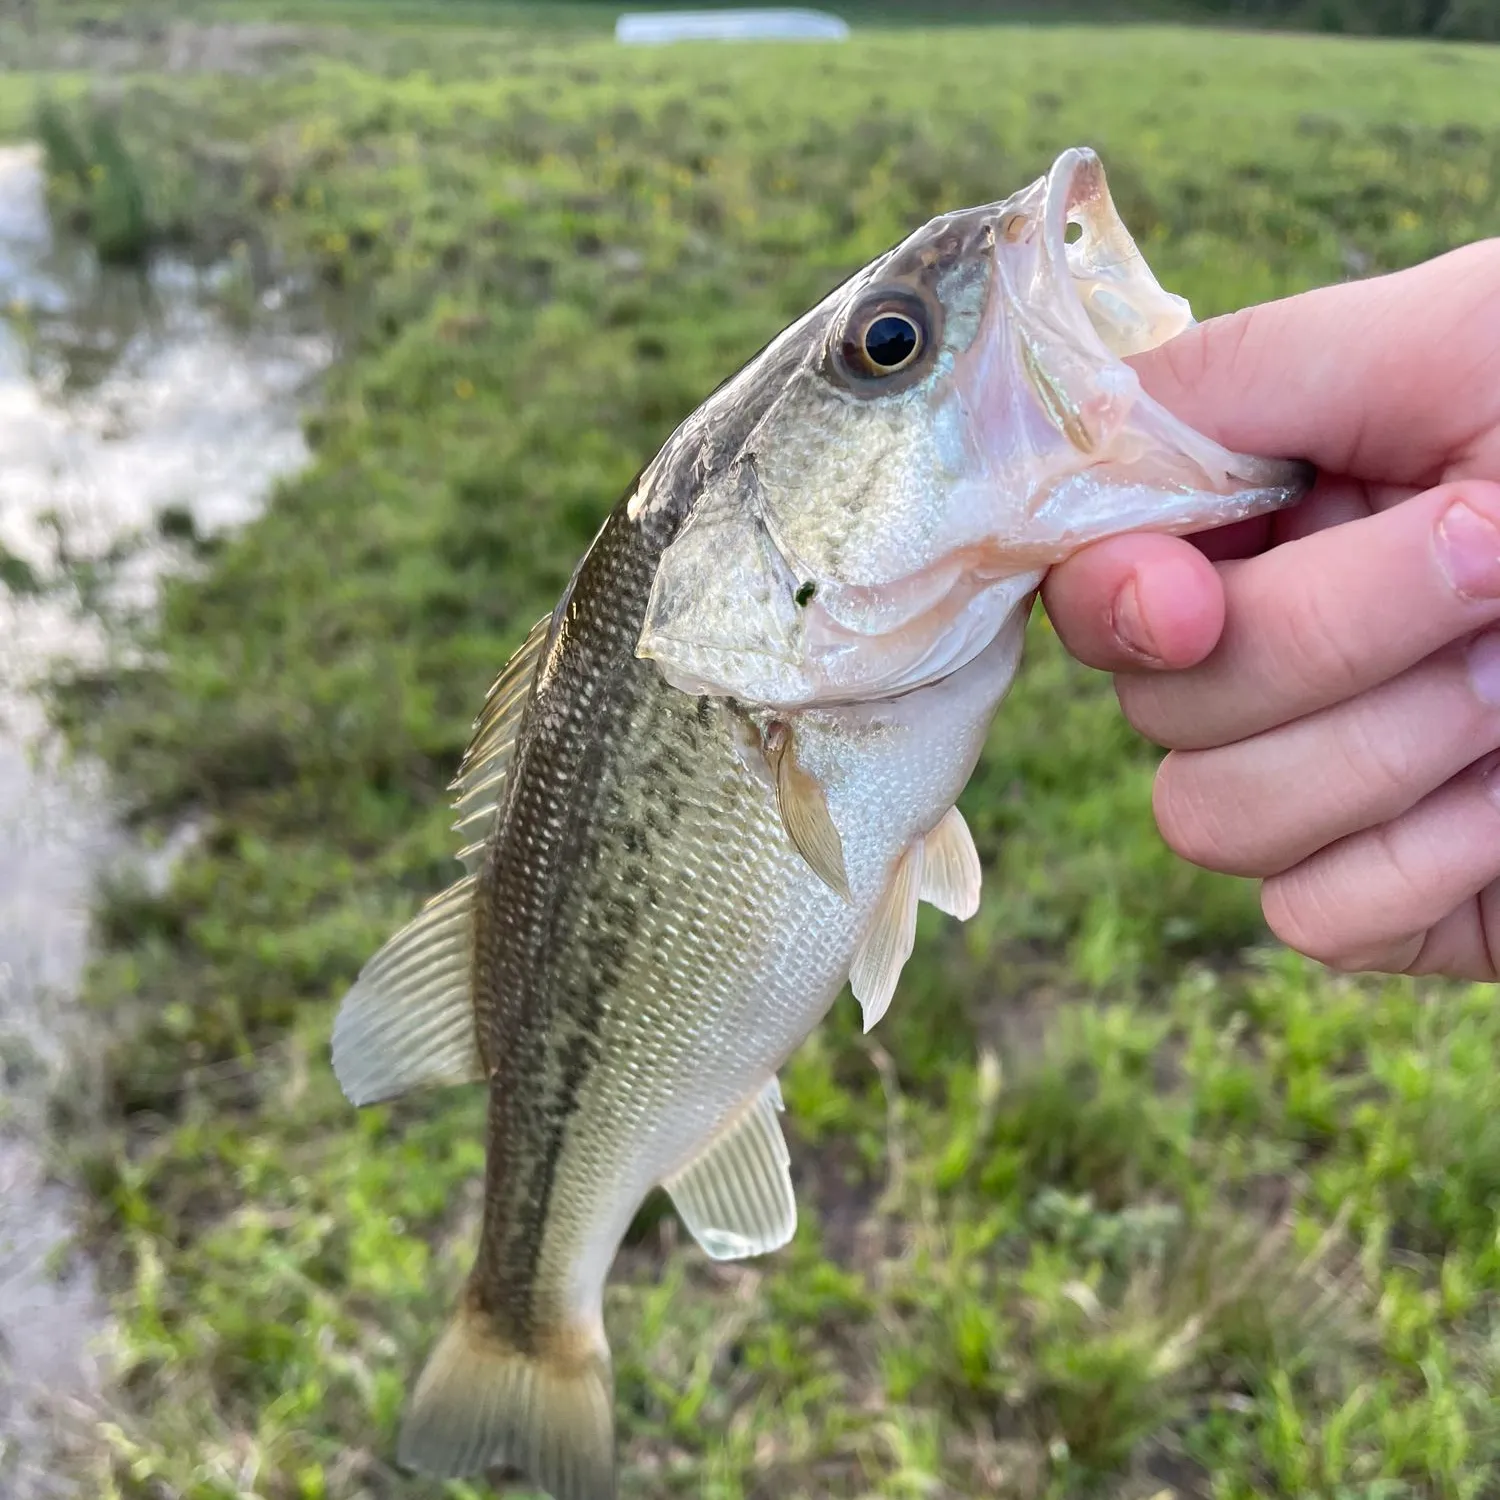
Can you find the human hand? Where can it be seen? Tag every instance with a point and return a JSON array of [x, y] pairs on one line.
[[1326, 680]]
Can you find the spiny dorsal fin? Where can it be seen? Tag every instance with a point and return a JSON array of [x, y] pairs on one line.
[[951, 877], [803, 806], [482, 773], [407, 1022], [890, 938], [736, 1197], [481, 1405]]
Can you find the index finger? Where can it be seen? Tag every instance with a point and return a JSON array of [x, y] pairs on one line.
[[1318, 620], [1395, 378]]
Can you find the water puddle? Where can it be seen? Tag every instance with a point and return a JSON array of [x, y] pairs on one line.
[[121, 396]]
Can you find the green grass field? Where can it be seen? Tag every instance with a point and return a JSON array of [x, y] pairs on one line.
[[1120, 1199]]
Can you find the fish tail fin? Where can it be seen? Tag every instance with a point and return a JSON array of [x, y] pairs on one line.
[[482, 1404]]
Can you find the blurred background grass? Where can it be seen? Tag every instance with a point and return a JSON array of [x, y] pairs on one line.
[[1120, 1199]]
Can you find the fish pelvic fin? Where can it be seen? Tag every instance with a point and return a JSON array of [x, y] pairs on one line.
[[736, 1197], [951, 876], [891, 936], [481, 1404]]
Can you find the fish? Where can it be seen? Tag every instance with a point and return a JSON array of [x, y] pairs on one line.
[[714, 783]]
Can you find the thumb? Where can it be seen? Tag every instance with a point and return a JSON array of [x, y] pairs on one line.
[[1391, 379], [1136, 601]]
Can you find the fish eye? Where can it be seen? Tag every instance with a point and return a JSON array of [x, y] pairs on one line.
[[892, 341], [883, 337]]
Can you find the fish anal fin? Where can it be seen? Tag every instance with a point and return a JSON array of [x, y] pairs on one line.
[[951, 876], [408, 1019], [736, 1196], [803, 806], [481, 1405], [889, 939], [484, 770]]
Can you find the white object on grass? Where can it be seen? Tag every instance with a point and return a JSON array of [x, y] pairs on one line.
[[647, 28]]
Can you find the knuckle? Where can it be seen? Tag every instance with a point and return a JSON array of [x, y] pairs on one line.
[[1378, 766], [1317, 657], [1309, 913], [1203, 820]]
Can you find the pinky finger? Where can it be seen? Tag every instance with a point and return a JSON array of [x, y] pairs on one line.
[[1466, 943], [1375, 901]]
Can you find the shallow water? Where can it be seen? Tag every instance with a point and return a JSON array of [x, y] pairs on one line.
[[121, 395]]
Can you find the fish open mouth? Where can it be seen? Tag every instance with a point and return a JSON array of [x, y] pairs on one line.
[[1079, 300], [1077, 450]]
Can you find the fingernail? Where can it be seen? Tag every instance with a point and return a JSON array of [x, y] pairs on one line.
[[1469, 550], [1129, 627], [1489, 774], [1484, 667]]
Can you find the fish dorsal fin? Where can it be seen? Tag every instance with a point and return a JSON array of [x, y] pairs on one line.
[[482, 773], [951, 876], [408, 1021], [889, 940], [736, 1197]]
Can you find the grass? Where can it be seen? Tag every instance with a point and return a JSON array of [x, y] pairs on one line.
[[1120, 1199]]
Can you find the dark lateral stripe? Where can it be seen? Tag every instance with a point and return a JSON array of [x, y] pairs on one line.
[[566, 966]]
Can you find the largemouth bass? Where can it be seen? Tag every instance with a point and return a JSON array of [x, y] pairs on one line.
[[714, 783]]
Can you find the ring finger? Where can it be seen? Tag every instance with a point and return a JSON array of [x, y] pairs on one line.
[[1359, 764], [1371, 900]]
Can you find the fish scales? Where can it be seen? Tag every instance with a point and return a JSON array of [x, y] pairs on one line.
[[713, 785]]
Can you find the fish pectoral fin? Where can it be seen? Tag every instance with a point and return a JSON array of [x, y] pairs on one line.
[[891, 936], [803, 806], [736, 1197], [481, 1404], [951, 876], [485, 768], [408, 1020]]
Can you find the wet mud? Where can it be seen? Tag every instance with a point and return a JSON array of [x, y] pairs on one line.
[[123, 395]]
